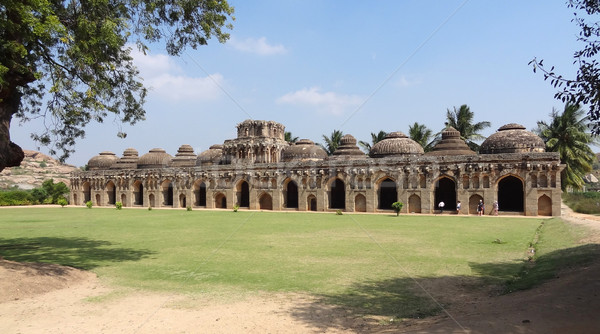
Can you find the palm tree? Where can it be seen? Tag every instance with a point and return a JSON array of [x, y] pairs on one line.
[[462, 120], [375, 138], [332, 142], [568, 134], [290, 138], [422, 135]]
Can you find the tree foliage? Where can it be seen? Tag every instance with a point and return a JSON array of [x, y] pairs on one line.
[[375, 138], [568, 134], [332, 142], [462, 120], [422, 135], [290, 138], [584, 89], [75, 56]]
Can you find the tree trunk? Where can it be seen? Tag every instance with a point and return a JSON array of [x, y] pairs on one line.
[[10, 153]]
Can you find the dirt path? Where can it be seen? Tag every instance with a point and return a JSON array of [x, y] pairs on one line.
[[43, 298]]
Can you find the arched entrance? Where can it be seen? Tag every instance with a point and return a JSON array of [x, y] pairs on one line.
[[360, 203], [111, 193], [291, 195], [87, 192], [265, 202], [75, 199], [243, 194], [220, 201], [123, 199], [414, 204], [388, 194], [544, 206], [312, 203], [151, 200], [167, 192], [138, 193], [510, 194], [445, 191], [337, 195], [473, 203], [182, 201], [200, 194]]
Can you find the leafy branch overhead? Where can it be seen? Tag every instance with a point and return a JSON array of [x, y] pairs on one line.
[[76, 57]]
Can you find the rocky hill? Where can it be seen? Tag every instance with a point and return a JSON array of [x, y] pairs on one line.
[[35, 169]]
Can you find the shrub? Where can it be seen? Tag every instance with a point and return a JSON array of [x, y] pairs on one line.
[[119, 205], [43, 164], [88, 204], [397, 206], [16, 197], [339, 212], [149, 208], [189, 208], [583, 202], [235, 208], [62, 202]]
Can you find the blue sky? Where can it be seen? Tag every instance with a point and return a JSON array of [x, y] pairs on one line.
[[357, 66]]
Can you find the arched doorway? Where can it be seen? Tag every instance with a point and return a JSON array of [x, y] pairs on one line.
[[123, 199], [360, 203], [312, 203], [445, 191], [98, 202], [200, 194], [151, 200], [87, 192], [473, 203], [111, 193], [243, 194], [511, 194], [291, 195], [337, 195], [545, 206], [167, 192], [220, 201], [182, 201], [387, 194], [414, 204], [75, 199], [138, 193], [265, 202]]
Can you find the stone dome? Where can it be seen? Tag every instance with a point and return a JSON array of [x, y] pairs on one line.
[[212, 156], [128, 161], [303, 150], [155, 158], [185, 157], [348, 148], [512, 138], [451, 144], [395, 144], [102, 161]]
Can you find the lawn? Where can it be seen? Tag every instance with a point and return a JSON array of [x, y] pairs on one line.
[[368, 261]]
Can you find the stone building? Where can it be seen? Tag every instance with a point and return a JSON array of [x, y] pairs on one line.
[[260, 170]]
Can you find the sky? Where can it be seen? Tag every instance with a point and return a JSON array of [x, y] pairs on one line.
[[356, 66]]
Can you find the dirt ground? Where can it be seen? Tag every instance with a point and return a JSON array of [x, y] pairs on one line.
[[46, 298]]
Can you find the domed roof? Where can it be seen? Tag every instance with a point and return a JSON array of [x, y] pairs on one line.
[[102, 161], [128, 161], [512, 138], [185, 157], [303, 150], [395, 144], [348, 148], [451, 144], [155, 158], [212, 156]]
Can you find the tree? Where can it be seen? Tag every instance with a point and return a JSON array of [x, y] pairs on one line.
[[584, 89], [567, 134], [55, 191], [462, 120], [375, 138], [422, 135], [76, 55], [332, 142], [290, 138]]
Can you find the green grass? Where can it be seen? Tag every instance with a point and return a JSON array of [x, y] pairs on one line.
[[368, 263]]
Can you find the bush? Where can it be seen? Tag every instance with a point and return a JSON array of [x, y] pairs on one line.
[[339, 212], [189, 208], [149, 208], [119, 205], [88, 204], [235, 208], [583, 202], [62, 202], [16, 197], [397, 206]]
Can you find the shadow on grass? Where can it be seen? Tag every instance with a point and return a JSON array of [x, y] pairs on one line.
[[374, 303], [80, 253]]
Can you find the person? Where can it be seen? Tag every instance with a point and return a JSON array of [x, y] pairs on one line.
[[495, 205], [458, 208], [441, 206], [480, 208]]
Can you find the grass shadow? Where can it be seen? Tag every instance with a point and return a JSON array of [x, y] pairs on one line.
[[80, 253]]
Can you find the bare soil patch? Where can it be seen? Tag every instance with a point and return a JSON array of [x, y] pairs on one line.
[[47, 298]]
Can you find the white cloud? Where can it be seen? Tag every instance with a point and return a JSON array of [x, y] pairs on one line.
[[166, 79], [257, 46], [331, 102]]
